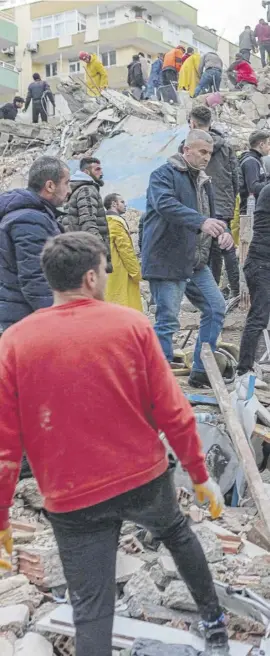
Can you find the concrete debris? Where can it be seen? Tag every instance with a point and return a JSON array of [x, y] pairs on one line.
[[178, 596], [126, 566], [14, 618], [141, 586], [6, 648], [27, 489], [210, 543], [33, 643]]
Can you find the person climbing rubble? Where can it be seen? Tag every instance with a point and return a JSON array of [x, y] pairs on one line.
[[85, 210], [262, 33], [172, 63], [69, 399], [252, 172], [223, 171], [240, 72], [247, 43], [123, 286], [39, 92], [155, 78], [176, 243], [96, 74], [210, 72], [135, 77]]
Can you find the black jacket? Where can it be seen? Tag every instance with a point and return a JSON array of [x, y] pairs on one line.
[[86, 211], [135, 76], [37, 91], [26, 222], [260, 244], [253, 176], [9, 111], [172, 222]]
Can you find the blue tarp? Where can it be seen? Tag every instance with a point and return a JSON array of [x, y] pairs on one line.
[[127, 161]]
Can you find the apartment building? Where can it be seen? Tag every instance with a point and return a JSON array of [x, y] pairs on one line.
[[9, 76], [52, 32]]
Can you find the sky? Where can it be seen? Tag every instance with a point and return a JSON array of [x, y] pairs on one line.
[[228, 17]]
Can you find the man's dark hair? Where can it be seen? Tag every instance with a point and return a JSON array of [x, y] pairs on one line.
[[86, 161], [247, 27], [190, 50], [66, 258], [135, 58], [109, 200], [43, 169], [36, 77], [257, 136], [202, 115], [18, 99], [142, 54]]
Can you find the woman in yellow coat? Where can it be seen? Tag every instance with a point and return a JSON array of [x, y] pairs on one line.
[[96, 74], [123, 283], [189, 74]]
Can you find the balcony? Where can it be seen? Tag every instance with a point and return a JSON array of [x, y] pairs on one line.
[[137, 33], [9, 79], [8, 30]]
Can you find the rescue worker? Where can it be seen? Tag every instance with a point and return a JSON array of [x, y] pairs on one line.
[[189, 74], [9, 111], [210, 72], [155, 77], [240, 72], [123, 285], [96, 74], [39, 92], [172, 64]]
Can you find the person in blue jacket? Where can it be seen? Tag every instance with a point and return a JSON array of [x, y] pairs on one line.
[[176, 241], [28, 217], [155, 77]]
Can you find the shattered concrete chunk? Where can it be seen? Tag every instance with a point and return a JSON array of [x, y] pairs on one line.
[[143, 588], [14, 618], [28, 490], [6, 648], [178, 596], [33, 643], [211, 545], [126, 566]]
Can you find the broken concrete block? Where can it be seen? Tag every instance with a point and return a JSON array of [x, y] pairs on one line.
[[40, 132], [6, 648], [33, 643], [14, 618], [157, 575], [178, 596], [211, 545], [27, 489], [261, 100], [142, 586], [169, 567], [17, 590], [126, 566]]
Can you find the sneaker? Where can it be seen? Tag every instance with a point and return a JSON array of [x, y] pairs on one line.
[[199, 379], [216, 637], [242, 384]]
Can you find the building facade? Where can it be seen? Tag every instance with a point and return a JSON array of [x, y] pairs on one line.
[[9, 75], [52, 32]]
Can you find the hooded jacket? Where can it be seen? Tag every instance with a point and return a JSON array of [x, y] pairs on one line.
[[254, 176], [85, 209], [260, 244], [262, 32], [135, 76], [96, 76], [123, 284], [173, 220], [26, 222]]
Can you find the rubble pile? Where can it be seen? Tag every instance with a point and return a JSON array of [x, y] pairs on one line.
[[149, 586]]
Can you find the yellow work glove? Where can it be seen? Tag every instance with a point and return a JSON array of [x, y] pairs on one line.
[[210, 491], [6, 542]]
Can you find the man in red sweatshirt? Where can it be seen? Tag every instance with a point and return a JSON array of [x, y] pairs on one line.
[[262, 33], [84, 390]]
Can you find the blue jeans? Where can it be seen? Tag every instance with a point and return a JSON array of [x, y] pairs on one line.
[[204, 293], [210, 81]]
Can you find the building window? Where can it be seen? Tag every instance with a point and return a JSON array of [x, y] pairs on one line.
[[74, 66], [51, 69], [106, 18], [51, 27], [109, 58]]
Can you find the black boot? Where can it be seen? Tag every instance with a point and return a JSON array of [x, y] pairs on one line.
[[216, 637], [199, 379]]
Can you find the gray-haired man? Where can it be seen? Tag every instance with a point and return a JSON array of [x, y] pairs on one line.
[[177, 237]]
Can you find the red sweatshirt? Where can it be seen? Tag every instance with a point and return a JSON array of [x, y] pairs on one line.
[[245, 72], [262, 32], [84, 388]]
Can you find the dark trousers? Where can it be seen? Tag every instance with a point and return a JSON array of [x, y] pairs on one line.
[[258, 281], [245, 52], [88, 540], [231, 265], [264, 48], [39, 110], [169, 75]]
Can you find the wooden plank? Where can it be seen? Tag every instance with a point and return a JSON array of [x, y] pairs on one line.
[[238, 437]]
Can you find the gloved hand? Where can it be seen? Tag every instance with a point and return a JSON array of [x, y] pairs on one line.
[[210, 491], [6, 542]]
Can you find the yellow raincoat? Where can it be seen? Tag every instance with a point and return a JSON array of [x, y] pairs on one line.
[[235, 224], [96, 76], [189, 74], [123, 283]]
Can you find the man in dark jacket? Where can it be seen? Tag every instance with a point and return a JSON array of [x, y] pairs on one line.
[[247, 43], [176, 243], [223, 171], [9, 111], [39, 92], [253, 175], [85, 207], [27, 219], [257, 273], [135, 77]]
